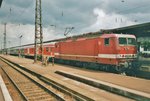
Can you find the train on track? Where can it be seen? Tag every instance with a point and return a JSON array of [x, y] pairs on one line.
[[110, 52]]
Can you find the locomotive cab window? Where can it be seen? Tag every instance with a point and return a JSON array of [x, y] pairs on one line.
[[122, 41], [131, 41], [106, 41], [127, 41]]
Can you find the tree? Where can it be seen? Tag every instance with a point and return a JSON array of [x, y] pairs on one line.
[[146, 45]]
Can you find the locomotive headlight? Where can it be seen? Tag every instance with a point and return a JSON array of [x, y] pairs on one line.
[[126, 65], [118, 56]]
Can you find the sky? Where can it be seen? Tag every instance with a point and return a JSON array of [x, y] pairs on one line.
[[57, 15]]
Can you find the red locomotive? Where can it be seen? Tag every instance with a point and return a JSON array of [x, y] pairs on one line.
[[108, 51], [105, 51]]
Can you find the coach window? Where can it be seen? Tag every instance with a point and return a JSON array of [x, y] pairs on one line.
[[106, 41], [47, 49], [55, 45]]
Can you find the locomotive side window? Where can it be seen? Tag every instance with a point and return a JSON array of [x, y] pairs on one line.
[[122, 41], [106, 41]]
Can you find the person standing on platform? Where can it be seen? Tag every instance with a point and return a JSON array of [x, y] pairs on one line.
[[53, 61], [45, 60]]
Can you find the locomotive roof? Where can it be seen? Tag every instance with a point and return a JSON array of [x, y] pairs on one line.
[[105, 35], [117, 35], [49, 45]]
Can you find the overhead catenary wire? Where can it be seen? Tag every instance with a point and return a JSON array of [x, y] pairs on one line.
[[134, 8], [135, 17]]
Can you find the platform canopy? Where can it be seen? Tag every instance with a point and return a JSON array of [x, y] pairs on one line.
[[139, 30]]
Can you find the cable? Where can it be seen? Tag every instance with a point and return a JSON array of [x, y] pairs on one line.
[[141, 6]]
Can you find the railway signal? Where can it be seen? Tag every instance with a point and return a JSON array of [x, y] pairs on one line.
[[20, 37]]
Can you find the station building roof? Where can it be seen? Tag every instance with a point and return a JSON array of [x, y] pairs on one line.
[[139, 30]]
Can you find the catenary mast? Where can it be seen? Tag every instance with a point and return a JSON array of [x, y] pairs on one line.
[[38, 31]]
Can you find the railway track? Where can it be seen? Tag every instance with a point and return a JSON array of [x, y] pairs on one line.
[[61, 90], [28, 87], [34, 89]]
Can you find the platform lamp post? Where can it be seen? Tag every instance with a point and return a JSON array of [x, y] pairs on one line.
[[5, 50], [8, 51], [20, 37], [1, 47]]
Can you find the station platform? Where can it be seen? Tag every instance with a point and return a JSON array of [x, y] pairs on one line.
[[1, 95], [120, 80], [145, 64], [4, 94]]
